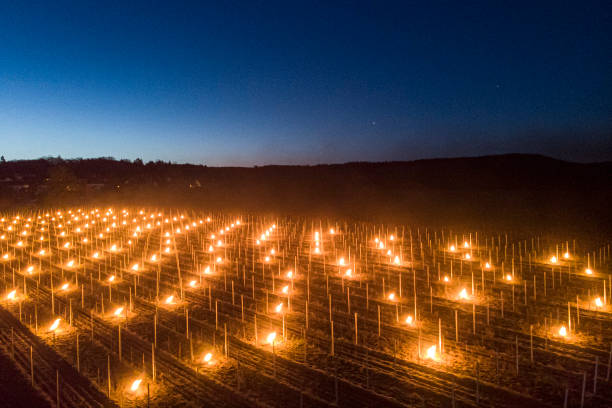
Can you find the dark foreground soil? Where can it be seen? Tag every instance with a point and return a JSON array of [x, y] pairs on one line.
[[15, 390]]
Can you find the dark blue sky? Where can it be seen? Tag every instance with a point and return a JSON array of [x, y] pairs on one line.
[[243, 83]]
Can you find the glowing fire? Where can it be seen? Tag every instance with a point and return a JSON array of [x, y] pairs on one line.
[[348, 273], [169, 299], [271, 337], [463, 294], [431, 353], [55, 325], [341, 261], [553, 259], [285, 289], [391, 296], [452, 248], [208, 358], [111, 278], [11, 295], [118, 311], [409, 321], [279, 308], [193, 283], [397, 260], [488, 265], [566, 255], [563, 331], [598, 302], [135, 267], [135, 385], [588, 271], [508, 277]]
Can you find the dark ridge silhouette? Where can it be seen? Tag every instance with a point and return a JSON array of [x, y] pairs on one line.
[[514, 190]]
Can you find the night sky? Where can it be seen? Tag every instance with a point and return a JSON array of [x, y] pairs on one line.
[[244, 83]]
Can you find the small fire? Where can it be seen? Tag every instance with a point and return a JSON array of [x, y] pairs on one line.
[[118, 311], [508, 277], [487, 266], [96, 255], [285, 289], [271, 337], [598, 302], [463, 294], [431, 353], [279, 308], [65, 286], [207, 270], [208, 358], [135, 385], [466, 244], [11, 295], [588, 271], [391, 296], [452, 248], [349, 273], [135, 267], [193, 283], [553, 259], [341, 261], [70, 263], [290, 275], [154, 258], [397, 260], [563, 331], [111, 278], [169, 299], [446, 279], [409, 321], [55, 325]]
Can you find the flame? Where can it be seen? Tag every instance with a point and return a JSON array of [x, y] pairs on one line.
[[169, 299], [463, 294], [271, 337], [154, 258], [70, 263], [397, 260], [55, 325], [285, 289], [509, 277], [446, 279], [193, 283], [468, 256], [279, 308], [598, 302], [111, 278], [553, 259], [208, 358], [11, 295], [391, 296], [566, 255], [409, 321], [349, 273], [588, 271], [466, 244], [96, 255], [118, 311], [431, 353], [290, 275], [563, 331], [487, 266], [452, 248], [341, 261], [135, 385], [64, 286]]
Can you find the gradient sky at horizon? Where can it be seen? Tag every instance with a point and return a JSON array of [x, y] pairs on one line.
[[243, 83]]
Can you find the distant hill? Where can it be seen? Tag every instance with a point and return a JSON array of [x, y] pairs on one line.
[[509, 190]]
